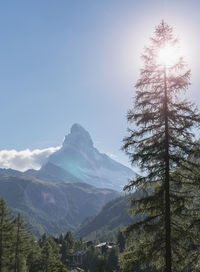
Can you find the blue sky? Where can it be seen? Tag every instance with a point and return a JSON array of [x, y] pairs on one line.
[[76, 61]]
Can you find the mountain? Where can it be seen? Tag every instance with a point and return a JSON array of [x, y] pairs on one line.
[[79, 161], [69, 187], [50, 207], [10, 172], [108, 221]]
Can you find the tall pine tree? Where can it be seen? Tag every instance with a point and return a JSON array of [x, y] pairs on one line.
[[6, 235], [50, 261], [21, 244], [161, 142]]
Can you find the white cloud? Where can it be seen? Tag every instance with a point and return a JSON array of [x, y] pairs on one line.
[[25, 159]]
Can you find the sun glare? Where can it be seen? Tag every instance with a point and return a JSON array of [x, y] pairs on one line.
[[168, 55]]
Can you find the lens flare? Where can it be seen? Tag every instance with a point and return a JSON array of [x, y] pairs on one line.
[[168, 55]]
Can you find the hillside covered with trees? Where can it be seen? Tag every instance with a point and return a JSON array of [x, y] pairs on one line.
[[20, 251], [113, 217]]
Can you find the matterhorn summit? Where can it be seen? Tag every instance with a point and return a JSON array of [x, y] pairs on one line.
[[78, 137], [79, 161]]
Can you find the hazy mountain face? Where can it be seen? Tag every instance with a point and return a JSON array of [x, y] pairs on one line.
[[78, 160], [52, 208]]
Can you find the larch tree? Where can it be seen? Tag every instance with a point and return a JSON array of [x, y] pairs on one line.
[[162, 143]]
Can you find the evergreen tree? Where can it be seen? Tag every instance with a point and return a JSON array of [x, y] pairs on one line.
[[79, 245], [54, 246], [60, 239], [67, 247], [6, 234], [42, 240], [64, 253], [34, 256], [21, 244], [121, 241], [69, 240], [112, 259], [161, 143], [91, 259], [48, 259]]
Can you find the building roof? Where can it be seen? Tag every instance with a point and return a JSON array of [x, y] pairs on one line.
[[101, 245]]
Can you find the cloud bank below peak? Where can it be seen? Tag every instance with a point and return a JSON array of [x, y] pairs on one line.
[[25, 159]]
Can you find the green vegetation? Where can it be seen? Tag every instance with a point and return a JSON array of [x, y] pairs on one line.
[[52, 208], [6, 234], [104, 226], [162, 143], [21, 252]]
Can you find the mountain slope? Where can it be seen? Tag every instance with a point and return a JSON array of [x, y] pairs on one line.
[[53, 208], [79, 161], [112, 217]]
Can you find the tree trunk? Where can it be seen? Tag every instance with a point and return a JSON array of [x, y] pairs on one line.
[[167, 183]]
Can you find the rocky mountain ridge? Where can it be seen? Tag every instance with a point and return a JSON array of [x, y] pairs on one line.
[[79, 161]]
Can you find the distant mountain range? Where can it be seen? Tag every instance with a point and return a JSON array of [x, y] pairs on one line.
[[73, 184]]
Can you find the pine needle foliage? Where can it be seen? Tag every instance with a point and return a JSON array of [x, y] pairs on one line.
[[6, 234], [162, 143], [21, 241]]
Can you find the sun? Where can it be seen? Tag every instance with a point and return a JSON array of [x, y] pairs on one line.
[[167, 55]]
